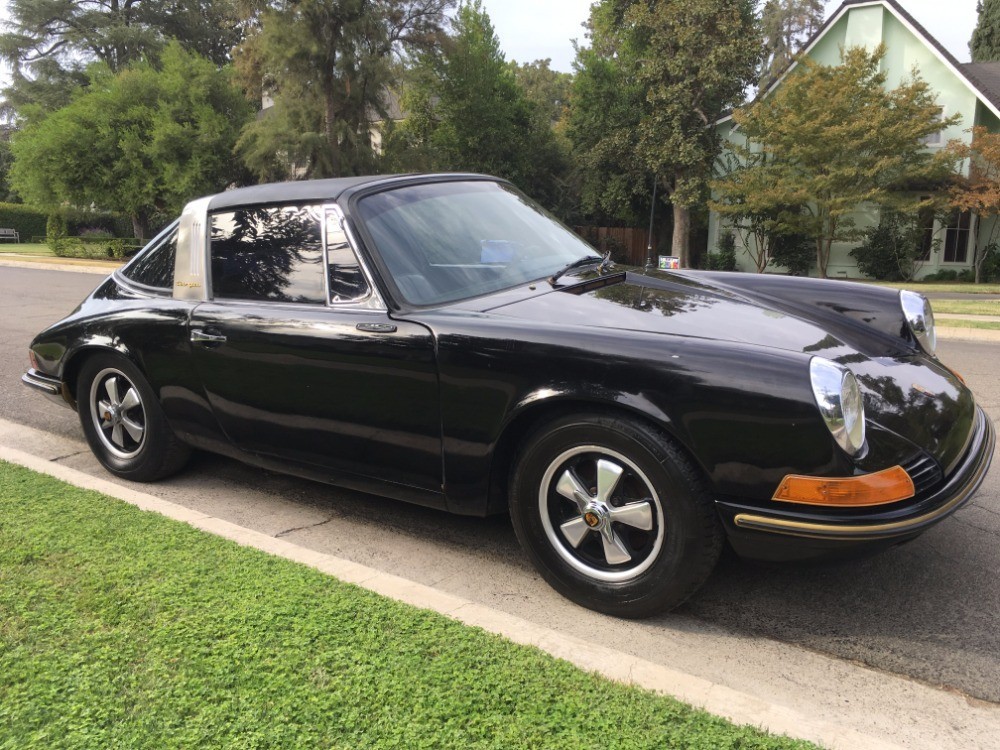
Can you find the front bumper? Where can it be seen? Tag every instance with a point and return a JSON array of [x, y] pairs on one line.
[[51, 386], [770, 535]]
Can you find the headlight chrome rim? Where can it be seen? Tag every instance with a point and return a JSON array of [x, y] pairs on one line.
[[920, 318], [840, 404]]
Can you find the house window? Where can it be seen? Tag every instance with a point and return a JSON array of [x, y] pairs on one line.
[[936, 138], [956, 237]]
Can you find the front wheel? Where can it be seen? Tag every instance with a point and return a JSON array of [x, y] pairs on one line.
[[613, 515], [124, 423]]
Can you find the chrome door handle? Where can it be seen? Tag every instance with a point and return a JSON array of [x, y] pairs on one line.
[[199, 336]]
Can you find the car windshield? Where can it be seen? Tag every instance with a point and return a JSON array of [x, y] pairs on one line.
[[449, 241]]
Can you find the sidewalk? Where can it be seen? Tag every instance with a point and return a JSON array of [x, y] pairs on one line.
[[52, 263]]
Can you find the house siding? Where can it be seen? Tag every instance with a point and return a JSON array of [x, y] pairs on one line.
[[906, 54]]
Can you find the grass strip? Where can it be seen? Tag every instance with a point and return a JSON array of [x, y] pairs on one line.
[[967, 307], [121, 628], [26, 248], [988, 325], [944, 287]]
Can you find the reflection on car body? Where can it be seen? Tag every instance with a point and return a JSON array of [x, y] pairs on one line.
[[442, 340]]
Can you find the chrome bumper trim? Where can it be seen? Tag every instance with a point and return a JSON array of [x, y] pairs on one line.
[[959, 489], [45, 383]]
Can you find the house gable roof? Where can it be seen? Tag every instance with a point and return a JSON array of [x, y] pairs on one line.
[[983, 79]]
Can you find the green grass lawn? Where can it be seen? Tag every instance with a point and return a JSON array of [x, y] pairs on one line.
[[967, 307], [120, 628], [26, 248], [946, 287], [986, 324]]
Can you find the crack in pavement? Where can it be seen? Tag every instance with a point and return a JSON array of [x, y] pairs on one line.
[[280, 534], [68, 455]]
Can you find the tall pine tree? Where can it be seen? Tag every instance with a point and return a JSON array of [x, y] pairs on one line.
[[985, 42], [787, 25]]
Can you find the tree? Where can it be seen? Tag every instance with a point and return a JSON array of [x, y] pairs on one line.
[[139, 142], [834, 138], [654, 79], [326, 65], [547, 89], [787, 25], [468, 113], [985, 42], [695, 59], [980, 191], [606, 104], [47, 43]]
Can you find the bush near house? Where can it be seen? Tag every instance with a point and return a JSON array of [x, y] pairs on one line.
[[724, 259], [892, 250]]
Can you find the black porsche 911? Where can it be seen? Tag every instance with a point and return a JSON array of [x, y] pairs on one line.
[[440, 339]]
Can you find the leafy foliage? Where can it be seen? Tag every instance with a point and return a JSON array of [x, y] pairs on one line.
[[985, 42], [793, 251], [980, 191], [682, 63], [325, 64], [787, 25], [47, 42], [892, 250], [468, 113], [832, 138], [140, 141], [724, 259]]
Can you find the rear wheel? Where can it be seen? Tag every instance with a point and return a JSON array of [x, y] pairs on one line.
[[613, 515], [124, 423]]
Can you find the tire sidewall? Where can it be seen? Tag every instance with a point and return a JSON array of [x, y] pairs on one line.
[[682, 558], [145, 463]]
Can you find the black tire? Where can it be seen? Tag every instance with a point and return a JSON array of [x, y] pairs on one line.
[[579, 546], [129, 433]]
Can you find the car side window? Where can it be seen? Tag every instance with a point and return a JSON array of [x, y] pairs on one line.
[[268, 254], [155, 267], [347, 281]]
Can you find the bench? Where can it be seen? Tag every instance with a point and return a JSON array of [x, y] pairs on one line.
[[10, 234]]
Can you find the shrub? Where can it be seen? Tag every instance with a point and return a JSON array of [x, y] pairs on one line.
[[796, 252], [26, 221], [55, 233], [892, 249], [990, 270], [724, 258]]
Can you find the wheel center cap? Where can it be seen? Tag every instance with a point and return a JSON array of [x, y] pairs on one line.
[[592, 519]]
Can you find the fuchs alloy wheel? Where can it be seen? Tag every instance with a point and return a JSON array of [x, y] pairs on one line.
[[613, 515], [124, 423]]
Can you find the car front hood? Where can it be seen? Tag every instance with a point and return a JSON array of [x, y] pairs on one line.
[[916, 398], [633, 302]]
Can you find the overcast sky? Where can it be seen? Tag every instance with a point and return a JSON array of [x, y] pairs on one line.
[[536, 29]]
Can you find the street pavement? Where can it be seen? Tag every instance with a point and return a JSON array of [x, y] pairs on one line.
[[927, 610]]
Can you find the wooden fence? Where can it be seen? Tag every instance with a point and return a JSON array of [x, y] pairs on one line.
[[627, 244]]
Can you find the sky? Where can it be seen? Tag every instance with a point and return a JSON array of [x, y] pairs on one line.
[[536, 29]]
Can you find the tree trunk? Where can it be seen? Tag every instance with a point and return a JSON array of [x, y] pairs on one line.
[[682, 234], [329, 119], [140, 226]]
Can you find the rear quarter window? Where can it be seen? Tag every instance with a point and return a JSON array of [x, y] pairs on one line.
[[154, 265]]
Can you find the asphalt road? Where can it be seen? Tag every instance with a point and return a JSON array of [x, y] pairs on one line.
[[928, 610]]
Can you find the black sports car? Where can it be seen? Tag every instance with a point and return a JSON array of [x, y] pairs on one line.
[[442, 340]]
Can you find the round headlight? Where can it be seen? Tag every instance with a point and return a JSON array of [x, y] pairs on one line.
[[839, 400], [920, 318]]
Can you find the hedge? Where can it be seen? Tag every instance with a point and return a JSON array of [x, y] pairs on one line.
[[29, 222]]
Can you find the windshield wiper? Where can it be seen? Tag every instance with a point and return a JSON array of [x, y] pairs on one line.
[[587, 260]]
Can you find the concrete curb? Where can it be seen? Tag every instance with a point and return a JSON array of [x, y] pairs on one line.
[[721, 700], [59, 264]]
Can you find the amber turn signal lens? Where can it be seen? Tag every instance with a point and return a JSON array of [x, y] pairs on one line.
[[32, 359], [883, 487]]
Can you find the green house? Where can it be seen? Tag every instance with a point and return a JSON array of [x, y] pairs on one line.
[[970, 90]]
